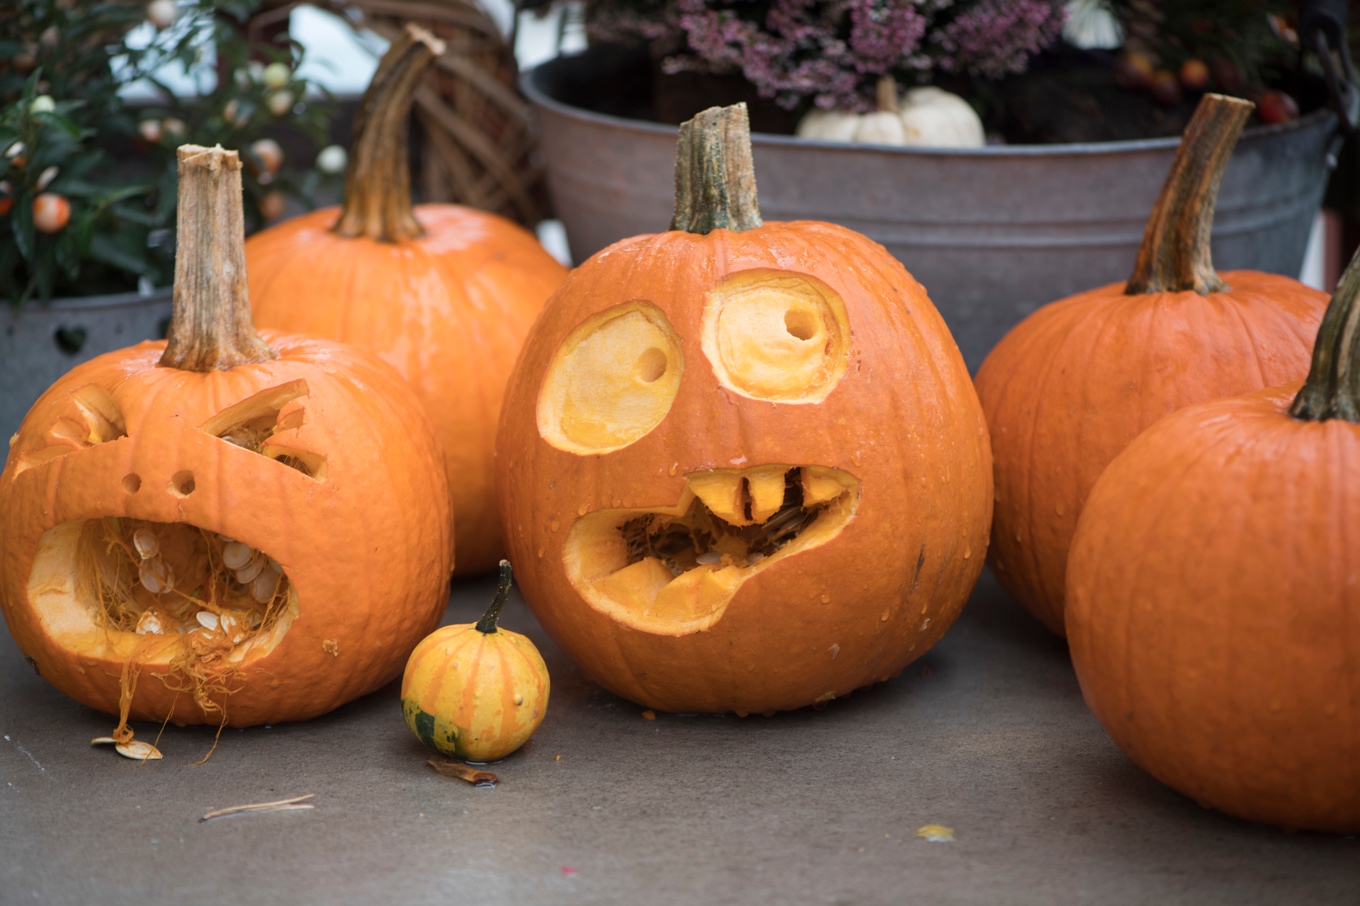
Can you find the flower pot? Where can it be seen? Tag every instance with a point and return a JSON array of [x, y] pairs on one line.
[[991, 232], [39, 342]]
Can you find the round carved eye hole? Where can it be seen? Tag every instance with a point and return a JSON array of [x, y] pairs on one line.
[[611, 381], [776, 335]]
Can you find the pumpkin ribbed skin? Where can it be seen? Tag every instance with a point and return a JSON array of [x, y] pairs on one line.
[[1070, 386], [902, 419], [474, 695], [367, 546], [1213, 609], [449, 310]]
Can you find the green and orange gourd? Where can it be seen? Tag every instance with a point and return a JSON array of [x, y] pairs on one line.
[[442, 292], [476, 691], [1069, 387]]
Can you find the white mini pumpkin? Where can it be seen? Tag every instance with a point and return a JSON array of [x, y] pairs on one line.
[[923, 117]]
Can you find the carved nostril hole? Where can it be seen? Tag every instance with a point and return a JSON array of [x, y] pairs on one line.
[[132, 482], [800, 324], [182, 484], [651, 365]]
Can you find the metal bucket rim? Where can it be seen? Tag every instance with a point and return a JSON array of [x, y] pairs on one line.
[[540, 98], [84, 303]]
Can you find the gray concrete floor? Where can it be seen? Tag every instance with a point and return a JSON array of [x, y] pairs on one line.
[[806, 807]]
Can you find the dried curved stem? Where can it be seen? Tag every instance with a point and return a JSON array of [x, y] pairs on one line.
[[715, 179], [487, 624], [1175, 254], [210, 325], [378, 181], [1332, 389]]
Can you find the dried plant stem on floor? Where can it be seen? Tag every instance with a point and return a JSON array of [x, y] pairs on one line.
[[280, 805], [462, 771]]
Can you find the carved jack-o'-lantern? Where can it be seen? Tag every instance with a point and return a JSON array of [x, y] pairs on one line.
[[741, 466], [219, 531]]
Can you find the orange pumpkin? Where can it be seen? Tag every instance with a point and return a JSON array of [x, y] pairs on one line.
[[215, 529], [1214, 594], [474, 690], [444, 293], [1072, 384], [741, 465]]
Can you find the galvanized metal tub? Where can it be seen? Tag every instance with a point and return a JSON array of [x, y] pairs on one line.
[[41, 342], [992, 233]]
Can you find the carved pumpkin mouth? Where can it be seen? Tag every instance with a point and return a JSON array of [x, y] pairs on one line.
[[168, 594], [673, 570]]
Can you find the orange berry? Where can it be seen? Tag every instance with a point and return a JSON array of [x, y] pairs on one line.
[[51, 212], [271, 206]]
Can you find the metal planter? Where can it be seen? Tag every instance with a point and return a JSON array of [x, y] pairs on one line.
[[39, 342], [993, 232]]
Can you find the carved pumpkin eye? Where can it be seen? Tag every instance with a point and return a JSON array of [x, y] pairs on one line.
[[90, 416], [611, 381], [263, 423], [775, 335]]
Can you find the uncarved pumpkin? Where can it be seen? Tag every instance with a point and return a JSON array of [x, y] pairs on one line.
[[927, 117], [1213, 605], [741, 465], [228, 529], [442, 292], [1070, 386]]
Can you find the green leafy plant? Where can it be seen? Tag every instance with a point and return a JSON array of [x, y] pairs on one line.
[[87, 177]]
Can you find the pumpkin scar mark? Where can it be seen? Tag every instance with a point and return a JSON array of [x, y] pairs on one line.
[[916, 577]]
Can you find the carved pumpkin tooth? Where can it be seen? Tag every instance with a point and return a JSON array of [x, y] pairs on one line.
[[145, 542], [721, 492], [236, 555], [820, 486], [766, 486]]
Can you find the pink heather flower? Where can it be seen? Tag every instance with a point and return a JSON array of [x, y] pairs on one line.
[[831, 52], [883, 32], [995, 38]]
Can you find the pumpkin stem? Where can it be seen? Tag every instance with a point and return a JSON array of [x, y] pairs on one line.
[[378, 181], [1332, 389], [715, 180], [887, 94], [487, 623], [1175, 255], [210, 324]]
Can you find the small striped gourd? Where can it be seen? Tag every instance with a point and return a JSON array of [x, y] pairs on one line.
[[475, 691]]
